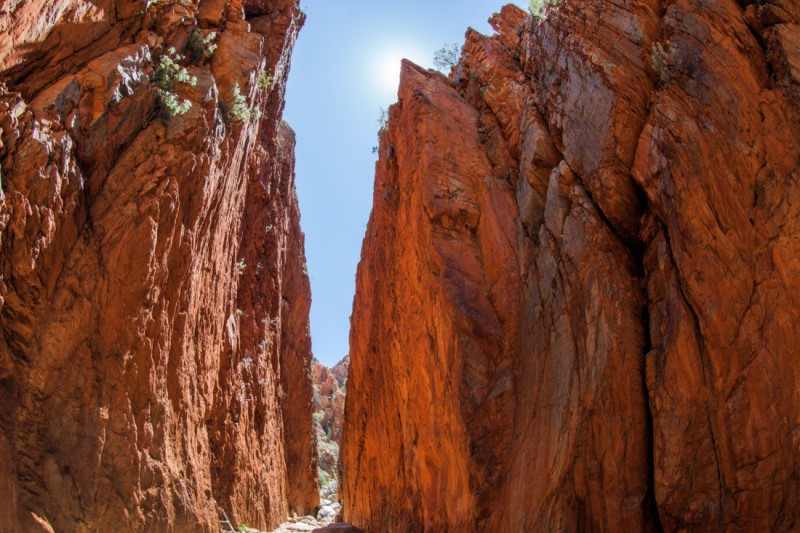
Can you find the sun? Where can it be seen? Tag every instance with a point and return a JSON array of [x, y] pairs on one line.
[[388, 71]]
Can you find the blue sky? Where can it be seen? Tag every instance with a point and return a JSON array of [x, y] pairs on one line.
[[345, 67]]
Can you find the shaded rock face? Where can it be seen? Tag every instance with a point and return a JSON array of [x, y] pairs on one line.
[[329, 399], [577, 302], [155, 365]]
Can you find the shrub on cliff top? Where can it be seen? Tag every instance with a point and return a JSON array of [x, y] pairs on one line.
[[383, 118], [446, 57], [537, 7]]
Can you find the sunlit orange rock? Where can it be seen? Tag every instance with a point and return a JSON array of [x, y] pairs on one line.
[[154, 361], [577, 302]]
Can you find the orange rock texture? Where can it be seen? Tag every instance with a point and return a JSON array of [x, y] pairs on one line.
[[578, 299], [329, 396], [329, 399], [155, 365]]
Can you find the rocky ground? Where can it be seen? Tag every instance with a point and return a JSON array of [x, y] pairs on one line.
[[323, 522]]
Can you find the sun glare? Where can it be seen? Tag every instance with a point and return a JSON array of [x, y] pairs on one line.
[[386, 70], [389, 71]]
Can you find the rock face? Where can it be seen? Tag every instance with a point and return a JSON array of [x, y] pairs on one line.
[[154, 356], [577, 303], [329, 399]]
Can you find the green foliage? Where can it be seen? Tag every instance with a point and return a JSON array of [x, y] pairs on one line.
[[265, 81], [243, 528], [324, 479], [241, 266], [662, 57], [235, 108], [538, 7], [167, 74], [200, 47], [446, 57], [168, 106], [383, 118]]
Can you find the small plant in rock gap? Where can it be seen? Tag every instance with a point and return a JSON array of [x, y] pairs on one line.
[[200, 47], [235, 108], [243, 528], [446, 57], [383, 118], [241, 266], [265, 81], [662, 56], [168, 73]]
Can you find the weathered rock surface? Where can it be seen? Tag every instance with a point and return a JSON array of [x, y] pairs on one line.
[[577, 304], [154, 359]]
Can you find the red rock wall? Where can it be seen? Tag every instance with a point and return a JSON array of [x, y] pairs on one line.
[[329, 396], [577, 302], [146, 379]]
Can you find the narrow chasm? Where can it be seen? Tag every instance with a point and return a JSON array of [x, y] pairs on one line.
[[576, 306]]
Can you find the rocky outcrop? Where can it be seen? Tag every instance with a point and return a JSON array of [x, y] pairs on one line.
[[577, 300], [329, 399], [154, 359]]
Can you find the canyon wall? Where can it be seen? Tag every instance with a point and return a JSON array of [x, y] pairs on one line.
[[155, 365], [329, 399], [578, 298]]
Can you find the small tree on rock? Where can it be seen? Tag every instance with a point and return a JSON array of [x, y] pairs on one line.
[[446, 57]]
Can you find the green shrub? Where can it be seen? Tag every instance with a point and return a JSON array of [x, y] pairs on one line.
[[446, 57], [383, 118], [537, 7], [169, 106], [167, 74], [661, 58], [200, 47], [241, 266], [235, 108], [265, 81]]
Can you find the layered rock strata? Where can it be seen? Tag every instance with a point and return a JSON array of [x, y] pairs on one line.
[[154, 356], [576, 307]]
